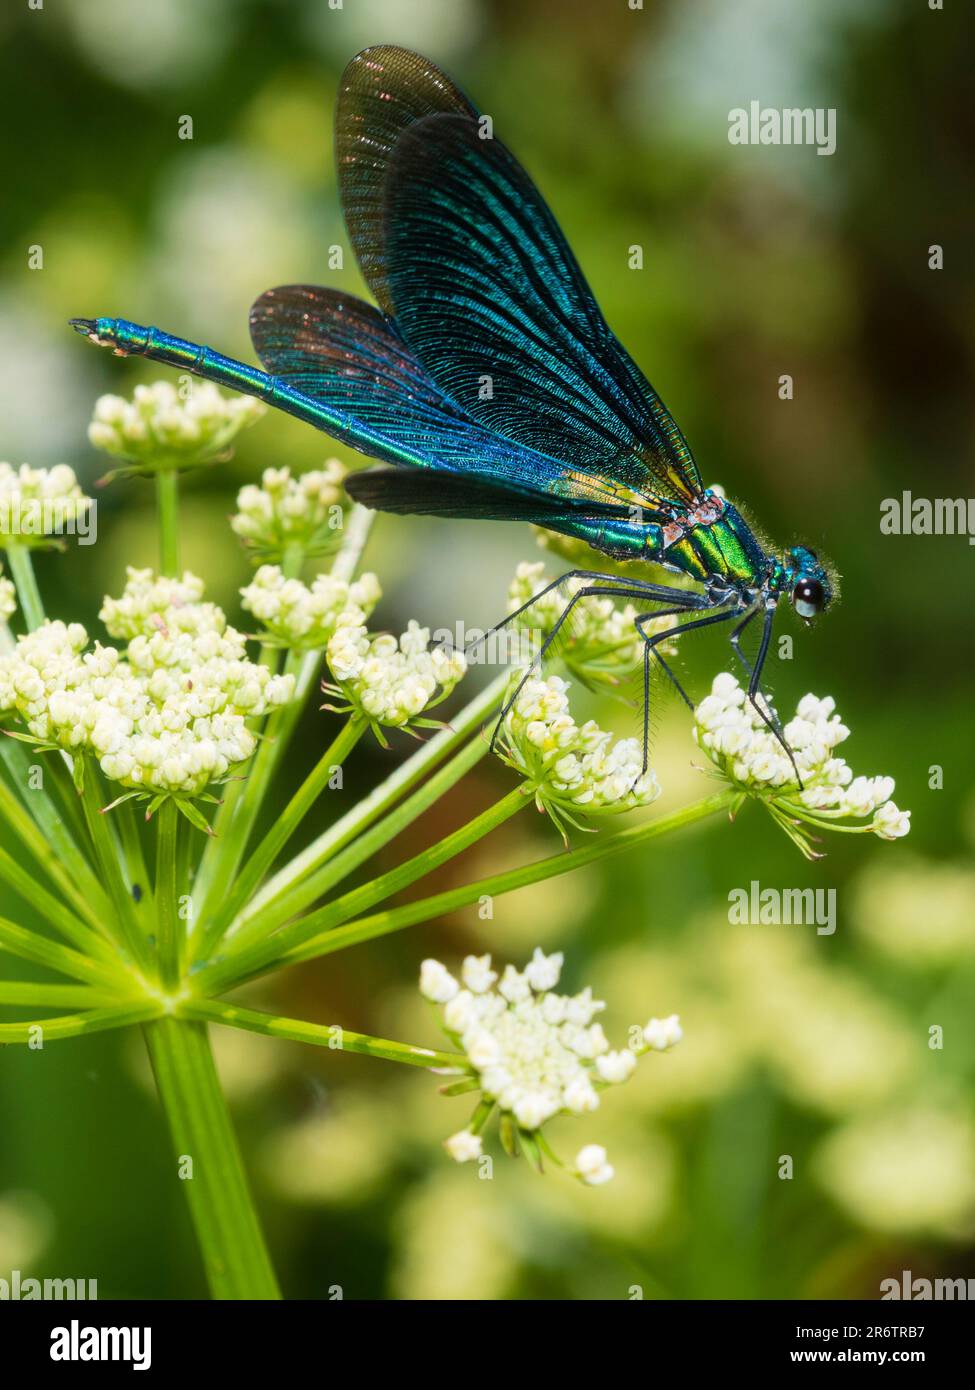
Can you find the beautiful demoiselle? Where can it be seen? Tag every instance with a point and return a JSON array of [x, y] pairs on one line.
[[488, 377]]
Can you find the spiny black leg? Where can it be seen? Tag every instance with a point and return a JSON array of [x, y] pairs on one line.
[[764, 708], [652, 643], [632, 588], [735, 639], [607, 589]]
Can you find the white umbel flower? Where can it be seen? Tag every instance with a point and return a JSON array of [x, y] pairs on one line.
[[390, 681], [572, 768], [290, 511], [663, 1033], [535, 1054], [592, 1167], [165, 428], [304, 616], [38, 504], [463, 1146], [8, 598], [739, 743], [167, 716]]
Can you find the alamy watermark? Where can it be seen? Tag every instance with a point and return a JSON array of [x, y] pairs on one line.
[[908, 515], [809, 907], [19, 1289], [925, 1290], [789, 125], [49, 516]]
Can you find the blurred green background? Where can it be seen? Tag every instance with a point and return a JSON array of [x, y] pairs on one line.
[[758, 261]]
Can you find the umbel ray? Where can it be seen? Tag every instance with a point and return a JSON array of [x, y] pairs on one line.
[[475, 283]]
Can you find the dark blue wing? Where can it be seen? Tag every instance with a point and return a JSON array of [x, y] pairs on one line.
[[488, 295], [382, 91], [344, 353]]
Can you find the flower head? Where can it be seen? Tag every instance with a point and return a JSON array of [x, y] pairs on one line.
[[572, 768], [743, 748], [38, 504], [534, 1054], [304, 616], [8, 598], [165, 428], [389, 680], [166, 717], [304, 512]]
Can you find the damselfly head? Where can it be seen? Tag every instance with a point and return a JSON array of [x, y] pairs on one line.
[[812, 586]]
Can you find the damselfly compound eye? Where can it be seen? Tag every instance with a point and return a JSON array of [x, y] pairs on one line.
[[808, 598]]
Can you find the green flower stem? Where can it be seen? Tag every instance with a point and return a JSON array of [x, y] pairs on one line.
[[320, 1035], [263, 856], [315, 886], [234, 1254], [73, 1025], [125, 914], [382, 923], [28, 594], [358, 524], [167, 504], [241, 804], [53, 910], [42, 951], [261, 955], [367, 811], [168, 926], [44, 995], [126, 819], [50, 844]]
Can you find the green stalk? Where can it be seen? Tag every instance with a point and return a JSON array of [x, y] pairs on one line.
[[111, 870], [42, 951], [40, 994], [41, 828], [257, 957], [53, 910], [317, 884], [28, 594], [167, 504], [264, 855], [241, 805], [234, 1254], [382, 923], [319, 1035], [167, 894], [74, 1025], [378, 801]]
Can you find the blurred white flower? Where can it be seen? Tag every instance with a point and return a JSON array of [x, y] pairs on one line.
[[8, 598], [463, 1146], [742, 747], [591, 1165], [165, 428], [662, 1033], [905, 1172], [918, 913], [536, 1054]]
